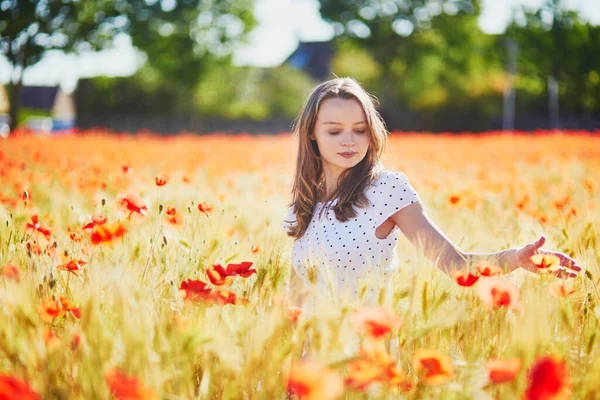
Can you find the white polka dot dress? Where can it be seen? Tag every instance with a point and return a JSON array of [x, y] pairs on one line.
[[342, 254]]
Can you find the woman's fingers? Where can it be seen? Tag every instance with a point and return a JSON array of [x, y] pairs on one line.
[[568, 262], [569, 267], [532, 248], [564, 273], [565, 261], [540, 242], [528, 250]]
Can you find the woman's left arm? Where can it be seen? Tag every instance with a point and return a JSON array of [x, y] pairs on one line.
[[423, 234]]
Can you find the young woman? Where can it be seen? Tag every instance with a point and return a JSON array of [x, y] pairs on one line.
[[347, 210]]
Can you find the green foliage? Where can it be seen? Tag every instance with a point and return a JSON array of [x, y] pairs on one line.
[[144, 92], [552, 41], [419, 58], [238, 92], [180, 37], [232, 93], [169, 33], [426, 57], [434, 59], [383, 27], [27, 113], [184, 43], [452, 63], [353, 60], [224, 91]]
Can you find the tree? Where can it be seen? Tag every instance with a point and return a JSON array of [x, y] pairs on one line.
[[224, 91], [554, 43], [256, 93], [430, 57], [179, 37], [184, 44], [384, 27]]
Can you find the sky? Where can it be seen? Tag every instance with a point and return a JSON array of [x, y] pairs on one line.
[[282, 23]]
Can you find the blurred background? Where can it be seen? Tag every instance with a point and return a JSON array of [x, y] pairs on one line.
[[171, 66]]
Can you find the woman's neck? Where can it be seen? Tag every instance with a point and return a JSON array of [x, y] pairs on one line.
[[330, 177]]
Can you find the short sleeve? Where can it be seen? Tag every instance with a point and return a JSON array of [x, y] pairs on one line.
[[393, 192], [289, 220]]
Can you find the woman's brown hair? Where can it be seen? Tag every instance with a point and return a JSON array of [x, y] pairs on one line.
[[309, 184]]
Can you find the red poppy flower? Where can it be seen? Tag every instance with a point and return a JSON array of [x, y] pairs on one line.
[[497, 292], [255, 249], [375, 321], [548, 380], [435, 366], [205, 207], [36, 227], [8, 201], [406, 386], [10, 271], [132, 204], [562, 288], [124, 387], [194, 290], [294, 313], [370, 367], [503, 370], [454, 199], [75, 341], [170, 210], [573, 213], [97, 220], [225, 297], [174, 220], [72, 266], [309, 380], [464, 278], [486, 269], [561, 203], [50, 338], [50, 250], [548, 262], [74, 236], [161, 180], [50, 309], [242, 269], [218, 276], [12, 388], [521, 204], [107, 233], [33, 248], [67, 306]]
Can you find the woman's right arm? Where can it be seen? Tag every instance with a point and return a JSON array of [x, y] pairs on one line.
[[297, 294]]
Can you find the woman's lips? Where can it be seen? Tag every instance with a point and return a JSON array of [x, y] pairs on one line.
[[347, 155]]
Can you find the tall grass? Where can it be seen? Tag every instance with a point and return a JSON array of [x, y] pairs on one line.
[[487, 193]]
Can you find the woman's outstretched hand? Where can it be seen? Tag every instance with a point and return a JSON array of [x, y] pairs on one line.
[[568, 266]]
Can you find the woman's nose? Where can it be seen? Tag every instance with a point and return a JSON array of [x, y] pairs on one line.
[[348, 140]]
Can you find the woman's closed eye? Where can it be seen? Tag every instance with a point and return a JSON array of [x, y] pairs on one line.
[[357, 131]]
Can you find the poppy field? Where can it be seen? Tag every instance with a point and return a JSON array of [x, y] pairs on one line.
[[149, 267]]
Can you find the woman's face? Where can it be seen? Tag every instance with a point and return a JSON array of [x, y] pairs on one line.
[[341, 127]]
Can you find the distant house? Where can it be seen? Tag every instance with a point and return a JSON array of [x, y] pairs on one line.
[[46, 100], [4, 104], [314, 58], [51, 99]]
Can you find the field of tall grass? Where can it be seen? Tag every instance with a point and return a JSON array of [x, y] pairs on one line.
[[147, 267]]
